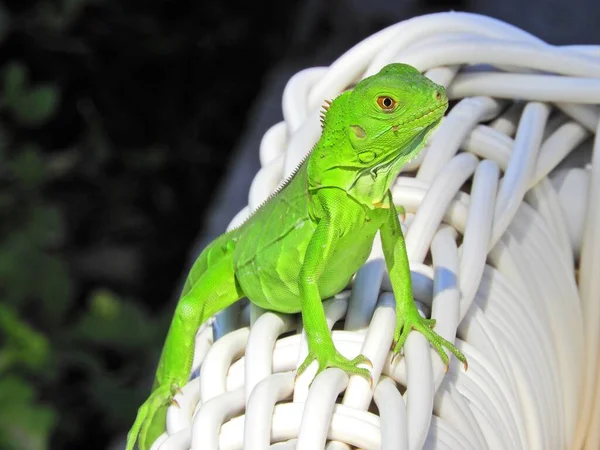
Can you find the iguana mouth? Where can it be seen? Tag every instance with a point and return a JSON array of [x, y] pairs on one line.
[[422, 116]]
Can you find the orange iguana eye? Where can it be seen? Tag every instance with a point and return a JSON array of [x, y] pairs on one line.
[[386, 103]]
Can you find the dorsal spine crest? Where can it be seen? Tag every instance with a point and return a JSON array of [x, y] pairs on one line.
[[323, 111]]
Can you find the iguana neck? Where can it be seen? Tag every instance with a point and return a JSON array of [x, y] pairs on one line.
[[335, 163]]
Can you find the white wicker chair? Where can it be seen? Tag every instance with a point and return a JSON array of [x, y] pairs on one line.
[[494, 232]]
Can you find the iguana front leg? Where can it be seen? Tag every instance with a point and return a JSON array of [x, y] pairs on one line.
[[407, 314], [318, 253]]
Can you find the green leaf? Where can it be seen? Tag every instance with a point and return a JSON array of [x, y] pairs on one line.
[[46, 226], [52, 287], [16, 254], [115, 323], [28, 168], [15, 82], [105, 304], [28, 274], [103, 389], [37, 106], [23, 345], [24, 425]]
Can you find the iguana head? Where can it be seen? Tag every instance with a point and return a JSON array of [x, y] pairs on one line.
[[391, 113], [372, 131]]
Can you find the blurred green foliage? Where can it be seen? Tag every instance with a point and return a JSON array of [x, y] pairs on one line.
[[116, 123], [29, 105], [27, 223], [37, 293]]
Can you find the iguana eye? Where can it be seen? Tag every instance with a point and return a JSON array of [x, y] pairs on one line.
[[386, 103]]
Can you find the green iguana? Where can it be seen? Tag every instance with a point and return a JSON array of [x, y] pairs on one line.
[[309, 238]]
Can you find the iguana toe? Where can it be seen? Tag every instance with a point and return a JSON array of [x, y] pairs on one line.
[[148, 424], [333, 358], [414, 321]]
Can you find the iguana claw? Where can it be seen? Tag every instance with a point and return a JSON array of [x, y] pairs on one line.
[[150, 420], [414, 321], [332, 358]]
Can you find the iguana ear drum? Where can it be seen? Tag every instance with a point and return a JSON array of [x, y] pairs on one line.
[[358, 131]]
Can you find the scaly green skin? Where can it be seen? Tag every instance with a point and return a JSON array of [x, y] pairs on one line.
[[305, 243]]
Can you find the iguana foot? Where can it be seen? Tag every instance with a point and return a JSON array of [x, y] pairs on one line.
[[143, 431], [414, 321], [332, 358]]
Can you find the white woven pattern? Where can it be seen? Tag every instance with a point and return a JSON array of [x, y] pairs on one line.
[[492, 253]]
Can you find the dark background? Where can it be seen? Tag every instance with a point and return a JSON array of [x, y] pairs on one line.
[[118, 123]]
